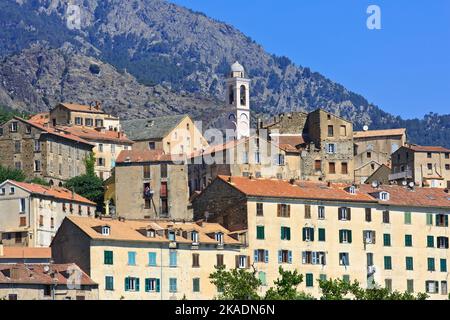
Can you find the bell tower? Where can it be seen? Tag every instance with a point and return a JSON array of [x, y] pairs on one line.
[[238, 101]]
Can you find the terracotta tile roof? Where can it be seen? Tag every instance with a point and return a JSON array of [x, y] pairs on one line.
[[399, 195], [379, 133], [55, 192], [133, 230], [26, 253], [293, 141], [54, 131], [298, 190], [36, 274], [139, 156], [82, 108], [40, 118], [92, 134], [418, 148]]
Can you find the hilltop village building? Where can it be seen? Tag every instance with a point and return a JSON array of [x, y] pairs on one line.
[[150, 184], [425, 166], [41, 151], [142, 260], [373, 149], [394, 236], [91, 124], [30, 214]]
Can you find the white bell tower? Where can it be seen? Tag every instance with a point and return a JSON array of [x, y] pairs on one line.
[[238, 100]]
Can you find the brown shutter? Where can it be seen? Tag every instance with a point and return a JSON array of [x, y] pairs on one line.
[[248, 262], [349, 213], [288, 210], [237, 261], [279, 210]]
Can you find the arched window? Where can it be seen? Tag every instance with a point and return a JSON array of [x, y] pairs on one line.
[[231, 94], [243, 95]]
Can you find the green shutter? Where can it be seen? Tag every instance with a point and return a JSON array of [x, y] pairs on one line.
[[429, 219], [443, 265], [349, 234], [407, 217], [127, 284], [304, 234], [341, 236], [431, 266], [260, 232], [309, 280], [409, 263], [387, 263], [282, 233], [321, 234], [446, 220], [288, 233], [147, 285], [311, 230], [346, 278], [408, 240], [387, 239], [137, 284], [430, 241], [157, 282]]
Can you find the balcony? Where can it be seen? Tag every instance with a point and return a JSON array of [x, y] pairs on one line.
[[401, 175]]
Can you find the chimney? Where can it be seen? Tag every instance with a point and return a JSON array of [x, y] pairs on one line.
[[199, 223], [292, 181], [97, 105]]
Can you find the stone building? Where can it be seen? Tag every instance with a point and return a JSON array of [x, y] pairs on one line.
[[150, 184], [148, 260], [325, 143], [45, 282], [30, 214], [176, 134], [373, 148], [251, 156], [41, 151], [426, 166], [394, 236]]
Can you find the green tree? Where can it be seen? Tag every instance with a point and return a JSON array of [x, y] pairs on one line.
[[88, 185], [337, 289], [40, 181], [11, 174], [236, 284], [286, 287]]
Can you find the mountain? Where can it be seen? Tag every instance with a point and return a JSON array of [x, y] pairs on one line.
[[145, 45]]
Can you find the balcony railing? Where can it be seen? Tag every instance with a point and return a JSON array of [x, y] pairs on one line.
[[401, 175]]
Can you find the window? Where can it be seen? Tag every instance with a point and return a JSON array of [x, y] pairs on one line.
[[386, 216], [285, 233], [284, 210], [284, 256], [89, 122], [108, 257], [313, 257], [279, 159], [41, 220], [78, 121], [172, 285], [260, 232], [369, 236], [163, 169], [330, 131], [344, 214], [343, 131], [432, 286], [17, 146], [387, 263], [152, 285], [368, 214], [430, 242], [308, 234], [109, 283], [443, 265], [321, 234], [196, 285], [444, 289], [100, 147], [429, 219], [318, 165], [387, 240], [307, 211], [388, 284], [220, 260], [410, 285], [262, 278], [345, 236], [37, 165], [18, 165], [409, 263], [13, 126], [98, 123], [22, 205], [429, 155], [344, 168], [1, 132], [152, 259], [257, 157], [261, 255], [321, 212], [259, 209], [331, 168], [12, 190], [131, 258], [194, 237], [309, 280], [244, 157], [22, 221], [431, 264], [344, 259], [242, 262], [106, 230], [52, 223], [407, 217], [101, 162], [408, 240], [37, 146], [442, 242], [442, 220], [219, 237], [195, 260], [369, 155], [346, 278], [331, 148]]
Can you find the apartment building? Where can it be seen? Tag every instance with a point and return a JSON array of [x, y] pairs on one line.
[[45, 282], [150, 184], [30, 214], [426, 166], [175, 134], [394, 236], [373, 149], [249, 156], [325, 143], [43, 152], [147, 260]]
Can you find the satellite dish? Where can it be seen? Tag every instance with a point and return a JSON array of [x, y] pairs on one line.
[[366, 128], [404, 183], [46, 269], [411, 184], [375, 184]]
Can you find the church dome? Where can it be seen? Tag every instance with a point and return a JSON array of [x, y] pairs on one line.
[[237, 67]]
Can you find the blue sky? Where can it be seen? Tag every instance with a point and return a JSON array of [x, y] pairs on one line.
[[404, 68]]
